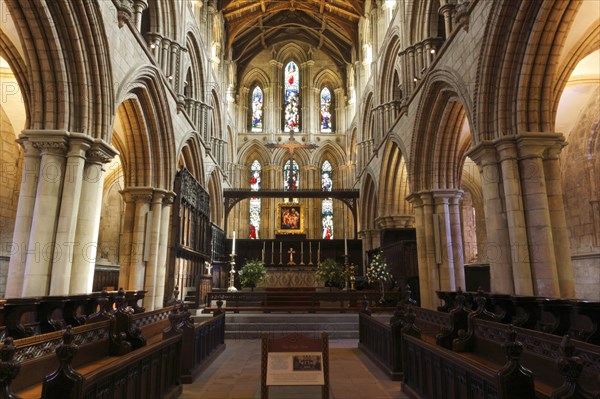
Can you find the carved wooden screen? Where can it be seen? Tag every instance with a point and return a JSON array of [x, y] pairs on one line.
[[191, 234]]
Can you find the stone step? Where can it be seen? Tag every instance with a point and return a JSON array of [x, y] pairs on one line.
[[250, 326]]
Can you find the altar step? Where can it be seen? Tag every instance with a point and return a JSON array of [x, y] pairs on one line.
[[250, 326]]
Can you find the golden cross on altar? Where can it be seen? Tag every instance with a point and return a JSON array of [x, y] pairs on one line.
[[291, 252]]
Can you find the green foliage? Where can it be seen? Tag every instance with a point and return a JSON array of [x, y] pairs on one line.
[[378, 270], [252, 273], [330, 273]]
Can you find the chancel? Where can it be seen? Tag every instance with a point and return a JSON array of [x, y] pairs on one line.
[[315, 165]]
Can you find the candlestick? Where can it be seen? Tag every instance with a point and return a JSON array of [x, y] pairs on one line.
[[272, 251], [302, 253], [233, 244], [310, 263], [319, 253], [346, 246]]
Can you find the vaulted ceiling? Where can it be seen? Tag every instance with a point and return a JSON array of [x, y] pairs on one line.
[[328, 25]]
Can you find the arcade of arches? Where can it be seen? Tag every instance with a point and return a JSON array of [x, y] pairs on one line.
[[472, 124]]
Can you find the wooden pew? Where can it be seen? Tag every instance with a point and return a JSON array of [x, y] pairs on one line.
[[37, 357]]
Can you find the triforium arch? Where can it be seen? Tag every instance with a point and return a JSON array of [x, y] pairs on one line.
[[194, 81]]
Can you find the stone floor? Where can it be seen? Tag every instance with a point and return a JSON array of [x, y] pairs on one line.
[[235, 374]]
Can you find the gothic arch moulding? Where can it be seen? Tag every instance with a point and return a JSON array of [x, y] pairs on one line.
[[394, 187], [438, 146], [215, 191], [194, 82], [150, 125], [191, 154], [76, 72]]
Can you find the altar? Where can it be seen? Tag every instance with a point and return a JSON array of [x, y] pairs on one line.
[[290, 277]]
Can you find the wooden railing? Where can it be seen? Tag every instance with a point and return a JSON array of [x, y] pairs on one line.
[[382, 342], [319, 301]]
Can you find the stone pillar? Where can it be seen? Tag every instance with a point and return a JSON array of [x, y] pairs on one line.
[[137, 264], [138, 9], [457, 241], [88, 219], [125, 243], [275, 105], [515, 217], [447, 9], [432, 265], [163, 249], [23, 219], [40, 251], [441, 200], [537, 214], [562, 250], [67, 220], [497, 251], [155, 234], [424, 284]]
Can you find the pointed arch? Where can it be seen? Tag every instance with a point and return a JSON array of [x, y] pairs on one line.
[[369, 203], [191, 155], [394, 187], [438, 142], [146, 105], [215, 192]]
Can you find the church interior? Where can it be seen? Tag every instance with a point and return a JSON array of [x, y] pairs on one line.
[[160, 146]]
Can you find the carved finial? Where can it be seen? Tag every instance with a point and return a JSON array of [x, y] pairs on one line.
[[218, 310], [512, 348], [365, 305], [9, 368]]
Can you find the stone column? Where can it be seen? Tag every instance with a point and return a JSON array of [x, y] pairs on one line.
[[69, 209], [125, 243], [537, 214], [40, 251], [515, 217], [424, 285], [432, 265], [138, 9], [457, 241], [447, 9], [497, 251], [137, 264], [276, 103], [163, 249], [88, 219], [441, 199], [25, 207], [155, 234], [562, 250]]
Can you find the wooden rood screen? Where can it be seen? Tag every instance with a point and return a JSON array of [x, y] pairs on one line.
[[295, 360], [191, 233]]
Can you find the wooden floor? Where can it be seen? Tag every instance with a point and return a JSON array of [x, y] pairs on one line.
[[236, 375]]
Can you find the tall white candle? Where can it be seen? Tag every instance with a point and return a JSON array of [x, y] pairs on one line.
[[233, 245]]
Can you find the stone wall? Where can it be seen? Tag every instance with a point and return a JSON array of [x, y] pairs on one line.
[[580, 167]]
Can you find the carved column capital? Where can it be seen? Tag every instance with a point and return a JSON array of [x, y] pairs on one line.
[[124, 11]]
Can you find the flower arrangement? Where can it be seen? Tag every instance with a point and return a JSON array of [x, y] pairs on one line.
[[252, 273], [378, 270], [330, 272]]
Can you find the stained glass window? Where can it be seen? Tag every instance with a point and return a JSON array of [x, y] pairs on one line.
[[292, 98], [327, 203], [326, 120], [256, 124], [290, 176], [255, 170]]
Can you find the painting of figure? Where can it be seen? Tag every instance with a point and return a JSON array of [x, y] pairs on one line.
[[291, 218]]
